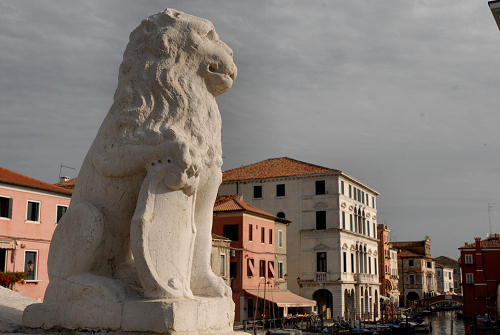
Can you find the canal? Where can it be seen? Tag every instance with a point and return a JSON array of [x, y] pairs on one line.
[[444, 322]]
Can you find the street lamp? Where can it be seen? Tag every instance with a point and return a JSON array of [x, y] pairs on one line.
[[495, 10]]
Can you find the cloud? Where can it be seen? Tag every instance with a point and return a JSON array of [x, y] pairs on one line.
[[400, 94]]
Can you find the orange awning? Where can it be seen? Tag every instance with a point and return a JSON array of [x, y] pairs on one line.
[[283, 298]]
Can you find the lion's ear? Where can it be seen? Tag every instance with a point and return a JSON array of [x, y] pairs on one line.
[[172, 13]]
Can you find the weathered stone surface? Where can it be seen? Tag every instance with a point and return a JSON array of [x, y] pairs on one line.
[[133, 250]]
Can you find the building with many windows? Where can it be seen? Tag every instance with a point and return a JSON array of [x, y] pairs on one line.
[[332, 238], [29, 212], [388, 267], [481, 276], [417, 272], [444, 278], [257, 266]]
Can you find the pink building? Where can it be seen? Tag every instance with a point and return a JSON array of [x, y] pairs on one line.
[[29, 212], [253, 266]]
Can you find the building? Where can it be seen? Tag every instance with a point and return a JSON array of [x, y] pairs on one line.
[[416, 268], [480, 276], [388, 267], [29, 212], [444, 278], [457, 273], [332, 239], [219, 259], [253, 261], [280, 252]]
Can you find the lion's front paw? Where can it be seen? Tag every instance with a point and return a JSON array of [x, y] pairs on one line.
[[211, 285]]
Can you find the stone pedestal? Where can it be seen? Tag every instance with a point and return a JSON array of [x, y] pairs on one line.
[[180, 316]]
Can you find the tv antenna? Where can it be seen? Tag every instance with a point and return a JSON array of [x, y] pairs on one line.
[[491, 205], [61, 166]]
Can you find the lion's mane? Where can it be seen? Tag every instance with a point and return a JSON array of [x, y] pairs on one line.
[[160, 94]]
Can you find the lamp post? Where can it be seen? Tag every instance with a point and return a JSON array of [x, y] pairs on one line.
[[495, 10]]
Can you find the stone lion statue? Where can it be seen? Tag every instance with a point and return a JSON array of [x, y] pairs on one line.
[[139, 223]]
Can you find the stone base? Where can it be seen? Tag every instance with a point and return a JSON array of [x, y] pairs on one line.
[[202, 316]]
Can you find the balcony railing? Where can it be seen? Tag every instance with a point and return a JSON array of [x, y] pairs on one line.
[[365, 278], [321, 276]]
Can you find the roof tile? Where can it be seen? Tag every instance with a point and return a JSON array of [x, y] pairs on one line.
[[14, 178]]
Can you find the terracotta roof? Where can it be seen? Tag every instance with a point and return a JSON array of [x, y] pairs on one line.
[[407, 253], [492, 241], [235, 203], [446, 261], [408, 244], [219, 237], [68, 183], [275, 168], [13, 178]]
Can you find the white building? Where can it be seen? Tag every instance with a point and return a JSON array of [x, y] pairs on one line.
[[331, 242], [444, 279]]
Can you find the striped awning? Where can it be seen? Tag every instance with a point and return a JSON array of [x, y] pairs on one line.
[[283, 298]]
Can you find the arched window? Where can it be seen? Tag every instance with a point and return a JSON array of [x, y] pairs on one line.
[[281, 215]]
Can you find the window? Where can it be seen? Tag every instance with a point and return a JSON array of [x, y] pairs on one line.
[[355, 193], [345, 260], [321, 262], [222, 265], [429, 265], [374, 230], [233, 269], [320, 220], [320, 187], [350, 191], [270, 236], [373, 202], [410, 262], [270, 269], [343, 220], [250, 232], [367, 200], [468, 259], [375, 265], [362, 197], [412, 280], [368, 227], [469, 278], [281, 215], [250, 308], [3, 258], [281, 270], [6, 207], [280, 190], [280, 238], [257, 191], [250, 267], [369, 264], [33, 212], [342, 186], [350, 220], [352, 262], [60, 211], [262, 235], [231, 231], [262, 268], [30, 264]]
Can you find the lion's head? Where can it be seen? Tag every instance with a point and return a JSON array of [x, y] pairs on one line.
[[173, 67]]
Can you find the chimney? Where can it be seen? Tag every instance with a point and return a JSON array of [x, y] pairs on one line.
[[62, 179], [478, 243]]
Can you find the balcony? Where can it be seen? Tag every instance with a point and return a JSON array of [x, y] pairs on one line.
[[365, 278], [316, 277], [321, 276]]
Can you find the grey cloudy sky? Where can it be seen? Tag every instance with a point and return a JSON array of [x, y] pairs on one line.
[[402, 95]]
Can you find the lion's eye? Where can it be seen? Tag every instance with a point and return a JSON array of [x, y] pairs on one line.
[[211, 35]]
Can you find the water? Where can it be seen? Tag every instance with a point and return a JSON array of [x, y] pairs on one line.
[[441, 324]]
